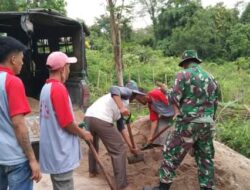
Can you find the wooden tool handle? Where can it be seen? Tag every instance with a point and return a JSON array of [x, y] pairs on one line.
[[92, 148], [131, 135], [159, 134]]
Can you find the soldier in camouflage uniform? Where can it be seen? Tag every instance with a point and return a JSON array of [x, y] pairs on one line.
[[195, 92]]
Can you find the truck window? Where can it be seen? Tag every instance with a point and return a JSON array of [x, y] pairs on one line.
[[3, 34], [43, 46], [66, 45]]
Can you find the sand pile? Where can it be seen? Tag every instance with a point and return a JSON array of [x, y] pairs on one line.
[[34, 105], [232, 170]]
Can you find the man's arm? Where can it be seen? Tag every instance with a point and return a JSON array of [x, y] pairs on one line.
[[22, 136], [126, 137], [124, 111], [117, 94], [75, 130], [153, 128], [123, 130]]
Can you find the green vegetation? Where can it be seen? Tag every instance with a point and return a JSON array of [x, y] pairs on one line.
[[220, 35], [23, 5], [146, 66], [236, 134]]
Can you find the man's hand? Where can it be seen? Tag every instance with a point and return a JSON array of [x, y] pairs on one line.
[[149, 140], [36, 174], [134, 151], [87, 136], [22, 136], [124, 111]]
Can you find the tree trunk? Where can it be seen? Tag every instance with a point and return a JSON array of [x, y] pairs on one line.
[[116, 42]]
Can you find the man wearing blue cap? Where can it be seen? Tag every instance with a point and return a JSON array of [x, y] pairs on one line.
[[100, 117]]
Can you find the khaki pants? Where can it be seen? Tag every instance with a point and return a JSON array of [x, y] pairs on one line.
[[112, 140], [62, 181]]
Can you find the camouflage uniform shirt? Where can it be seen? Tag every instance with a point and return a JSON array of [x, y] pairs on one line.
[[195, 92]]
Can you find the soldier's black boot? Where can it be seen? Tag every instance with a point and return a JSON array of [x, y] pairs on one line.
[[163, 186]]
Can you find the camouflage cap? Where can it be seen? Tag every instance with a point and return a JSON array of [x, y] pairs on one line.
[[189, 55], [131, 84]]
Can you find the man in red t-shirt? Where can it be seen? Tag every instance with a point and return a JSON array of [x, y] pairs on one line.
[[60, 151], [18, 165], [160, 109]]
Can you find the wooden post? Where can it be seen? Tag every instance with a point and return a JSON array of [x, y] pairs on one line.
[[98, 79], [139, 79], [166, 79], [153, 75], [106, 80]]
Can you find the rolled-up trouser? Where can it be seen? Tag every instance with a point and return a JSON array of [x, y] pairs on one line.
[[178, 143], [112, 140]]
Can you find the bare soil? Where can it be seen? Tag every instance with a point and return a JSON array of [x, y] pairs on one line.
[[232, 170]]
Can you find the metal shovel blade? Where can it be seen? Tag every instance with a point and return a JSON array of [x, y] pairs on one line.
[[135, 158]]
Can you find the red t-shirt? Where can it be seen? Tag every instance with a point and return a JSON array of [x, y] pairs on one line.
[[156, 95], [16, 97], [60, 101]]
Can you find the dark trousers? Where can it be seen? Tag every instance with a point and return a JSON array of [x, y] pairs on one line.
[[114, 144]]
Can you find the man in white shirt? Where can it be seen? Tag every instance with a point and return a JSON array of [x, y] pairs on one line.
[[100, 117]]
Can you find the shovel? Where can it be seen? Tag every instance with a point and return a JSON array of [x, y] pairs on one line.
[[134, 158], [151, 144], [92, 148]]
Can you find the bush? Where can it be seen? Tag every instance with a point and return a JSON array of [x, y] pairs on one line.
[[236, 134]]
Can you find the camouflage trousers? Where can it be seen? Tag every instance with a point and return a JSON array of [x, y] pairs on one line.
[[198, 136]]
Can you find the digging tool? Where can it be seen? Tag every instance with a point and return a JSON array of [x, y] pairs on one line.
[[92, 148], [134, 158], [151, 144]]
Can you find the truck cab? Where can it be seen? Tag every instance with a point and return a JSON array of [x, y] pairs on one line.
[[44, 31]]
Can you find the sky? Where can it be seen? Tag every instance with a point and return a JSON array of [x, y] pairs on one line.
[[89, 10]]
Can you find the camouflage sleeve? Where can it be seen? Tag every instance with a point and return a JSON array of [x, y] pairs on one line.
[[178, 88]]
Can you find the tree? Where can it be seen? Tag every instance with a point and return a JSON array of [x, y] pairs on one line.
[[22, 5], [117, 21], [199, 35], [245, 17], [239, 41], [175, 14], [116, 41], [152, 7], [12, 5], [192, 27], [102, 27]]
